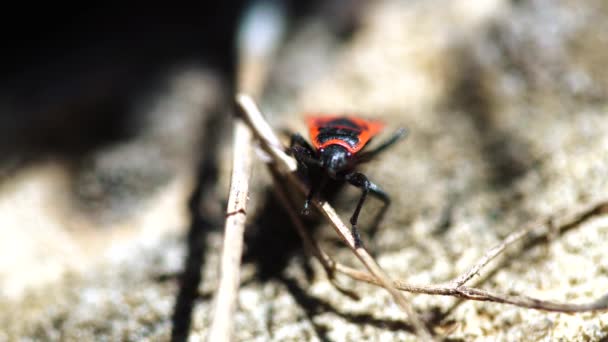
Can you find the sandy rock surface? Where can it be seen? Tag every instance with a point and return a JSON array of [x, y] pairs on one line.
[[506, 105]]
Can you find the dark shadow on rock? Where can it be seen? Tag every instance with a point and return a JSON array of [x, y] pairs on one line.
[[343, 17], [507, 156], [314, 306], [271, 240], [202, 221]]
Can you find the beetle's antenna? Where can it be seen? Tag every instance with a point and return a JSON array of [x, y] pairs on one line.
[[398, 135]]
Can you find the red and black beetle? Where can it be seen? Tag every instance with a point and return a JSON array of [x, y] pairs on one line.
[[338, 144]]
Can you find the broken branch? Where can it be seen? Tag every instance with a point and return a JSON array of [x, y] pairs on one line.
[[454, 288]]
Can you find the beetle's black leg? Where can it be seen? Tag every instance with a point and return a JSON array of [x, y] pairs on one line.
[[360, 180], [314, 189], [398, 135], [311, 194], [297, 139], [302, 151], [305, 155]]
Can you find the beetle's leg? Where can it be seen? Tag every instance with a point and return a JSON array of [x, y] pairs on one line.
[[297, 139], [302, 154], [302, 151], [398, 135], [315, 187], [360, 180], [305, 155], [311, 194]]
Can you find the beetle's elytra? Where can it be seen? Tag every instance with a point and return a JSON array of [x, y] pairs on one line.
[[338, 146]]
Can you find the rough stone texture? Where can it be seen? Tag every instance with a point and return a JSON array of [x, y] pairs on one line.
[[506, 104], [83, 243]]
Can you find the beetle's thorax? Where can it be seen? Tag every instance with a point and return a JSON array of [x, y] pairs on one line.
[[335, 159]]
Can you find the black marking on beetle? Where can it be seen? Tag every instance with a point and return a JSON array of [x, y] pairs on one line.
[[343, 122], [350, 136], [331, 158]]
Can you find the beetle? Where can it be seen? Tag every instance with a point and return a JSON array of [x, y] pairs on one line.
[[338, 147]]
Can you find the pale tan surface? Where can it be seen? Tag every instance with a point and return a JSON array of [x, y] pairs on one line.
[[506, 106]]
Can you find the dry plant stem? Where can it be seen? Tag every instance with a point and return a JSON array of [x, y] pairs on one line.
[[263, 132], [373, 267], [470, 293], [225, 302], [251, 76], [466, 292], [254, 118], [455, 288], [311, 244], [490, 255], [550, 227]]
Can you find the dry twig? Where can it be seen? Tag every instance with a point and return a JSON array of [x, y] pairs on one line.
[[255, 49], [311, 245], [461, 291], [547, 227], [490, 255], [233, 236], [455, 288], [254, 118]]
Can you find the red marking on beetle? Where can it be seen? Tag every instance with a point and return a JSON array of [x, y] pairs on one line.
[[336, 148], [360, 128]]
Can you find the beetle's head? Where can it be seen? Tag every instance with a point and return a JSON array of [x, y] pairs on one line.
[[334, 159]]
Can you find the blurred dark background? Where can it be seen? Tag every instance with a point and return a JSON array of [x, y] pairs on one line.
[[70, 75]]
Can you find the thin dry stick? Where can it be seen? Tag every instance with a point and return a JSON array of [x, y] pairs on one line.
[[254, 118], [329, 265], [546, 227], [255, 49], [550, 226], [369, 262], [454, 288], [471, 293], [491, 254], [460, 291], [233, 236]]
